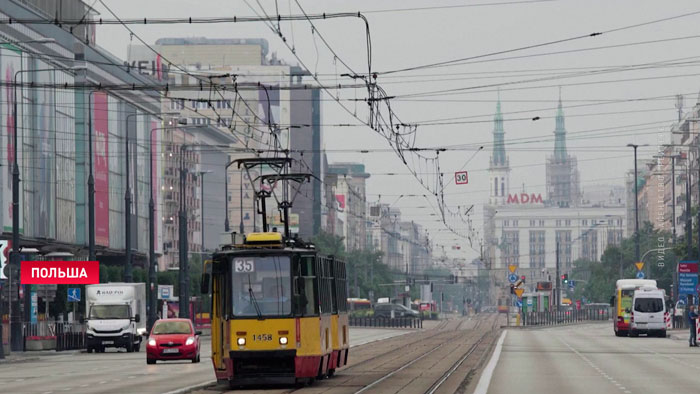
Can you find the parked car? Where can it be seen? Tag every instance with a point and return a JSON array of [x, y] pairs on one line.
[[173, 339], [384, 310]]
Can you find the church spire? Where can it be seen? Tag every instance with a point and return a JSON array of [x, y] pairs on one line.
[[560, 133], [498, 158]]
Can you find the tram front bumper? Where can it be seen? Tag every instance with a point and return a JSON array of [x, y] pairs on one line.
[[272, 366]]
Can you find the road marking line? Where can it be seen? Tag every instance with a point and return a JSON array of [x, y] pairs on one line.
[[192, 388], [603, 374], [485, 379]]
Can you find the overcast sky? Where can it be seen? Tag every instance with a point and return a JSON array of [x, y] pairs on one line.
[[598, 122]]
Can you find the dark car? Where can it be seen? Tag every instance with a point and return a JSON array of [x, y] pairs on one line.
[[173, 339], [384, 310]]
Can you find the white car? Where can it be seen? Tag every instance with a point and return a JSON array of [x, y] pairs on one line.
[[648, 311]]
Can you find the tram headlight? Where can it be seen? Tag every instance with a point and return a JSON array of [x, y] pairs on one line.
[[241, 341], [283, 340]]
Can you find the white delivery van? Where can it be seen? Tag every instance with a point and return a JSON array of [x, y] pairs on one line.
[[116, 316], [648, 311]]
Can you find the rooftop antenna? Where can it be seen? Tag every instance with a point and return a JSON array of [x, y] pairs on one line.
[[679, 106]]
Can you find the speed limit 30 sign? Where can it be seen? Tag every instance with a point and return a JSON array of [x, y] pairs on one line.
[[461, 178]]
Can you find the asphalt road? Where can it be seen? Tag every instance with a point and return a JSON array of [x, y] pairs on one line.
[[121, 372], [590, 359], [109, 372]]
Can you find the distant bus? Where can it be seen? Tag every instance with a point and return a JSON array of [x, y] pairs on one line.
[[622, 302], [358, 304], [503, 305]]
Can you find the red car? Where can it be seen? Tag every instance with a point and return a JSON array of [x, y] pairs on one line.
[[173, 339]]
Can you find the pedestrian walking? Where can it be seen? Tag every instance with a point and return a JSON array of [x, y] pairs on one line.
[[692, 317]]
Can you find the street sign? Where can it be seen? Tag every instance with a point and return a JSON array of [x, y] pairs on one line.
[[639, 265], [640, 274], [512, 268], [571, 284], [519, 303], [74, 294], [519, 292], [461, 178], [512, 278], [529, 301], [165, 292], [687, 277], [3, 260]]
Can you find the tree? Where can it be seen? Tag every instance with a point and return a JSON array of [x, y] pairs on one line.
[[618, 261], [365, 270]]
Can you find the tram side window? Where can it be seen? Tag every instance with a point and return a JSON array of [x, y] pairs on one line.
[[324, 285], [332, 277], [340, 286], [306, 287]]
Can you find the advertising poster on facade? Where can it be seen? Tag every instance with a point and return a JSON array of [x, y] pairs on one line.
[[340, 209], [10, 61], [101, 167], [44, 200]]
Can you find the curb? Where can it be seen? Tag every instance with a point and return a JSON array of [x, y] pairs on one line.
[[543, 326], [20, 361], [192, 388]]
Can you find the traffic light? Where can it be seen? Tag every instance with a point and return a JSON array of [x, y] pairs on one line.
[[522, 278], [431, 287], [512, 288], [565, 278]]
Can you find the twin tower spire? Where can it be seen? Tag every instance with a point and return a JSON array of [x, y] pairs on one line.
[[499, 167]]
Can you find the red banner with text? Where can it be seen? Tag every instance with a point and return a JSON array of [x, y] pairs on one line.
[[60, 272]]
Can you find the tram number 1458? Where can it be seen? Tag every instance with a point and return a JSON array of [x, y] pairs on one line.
[[262, 337]]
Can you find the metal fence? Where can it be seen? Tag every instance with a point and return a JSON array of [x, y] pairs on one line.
[[399, 322], [50, 335], [563, 317], [70, 336]]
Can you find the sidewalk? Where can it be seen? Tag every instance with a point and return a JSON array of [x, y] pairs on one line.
[[678, 334], [25, 357]]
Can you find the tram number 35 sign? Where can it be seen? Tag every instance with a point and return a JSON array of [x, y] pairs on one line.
[[244, 266], [461, 178]]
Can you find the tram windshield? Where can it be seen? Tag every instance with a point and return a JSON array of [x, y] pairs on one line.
[[261, 286]]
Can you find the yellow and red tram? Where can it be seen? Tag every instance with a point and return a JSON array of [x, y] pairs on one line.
[[279, 312]]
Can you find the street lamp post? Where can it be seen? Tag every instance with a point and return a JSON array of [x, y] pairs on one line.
[[152, 277], [183, 295], [201, 197], [128, 268], [636, 204]]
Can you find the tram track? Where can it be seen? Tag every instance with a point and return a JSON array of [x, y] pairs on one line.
[[453, 335], [437, 360], [472, 349]]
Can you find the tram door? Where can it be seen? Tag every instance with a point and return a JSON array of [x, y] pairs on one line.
[[220, 333]]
